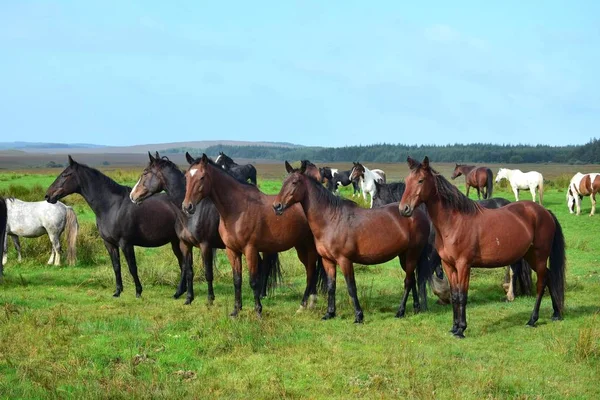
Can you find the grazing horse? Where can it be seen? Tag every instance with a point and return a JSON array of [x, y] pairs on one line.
[[248, 226], [344, 235], [583, 185], [481, 178], [121, 223], [468, 235], [242, 173], [518, 278], [3, 220], [342, 178], [34, 219], [367, 179], [523, 180]]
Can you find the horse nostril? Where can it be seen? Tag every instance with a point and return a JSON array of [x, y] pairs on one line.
[[46, 197]]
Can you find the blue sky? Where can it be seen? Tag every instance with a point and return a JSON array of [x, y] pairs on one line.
[[309, 72]]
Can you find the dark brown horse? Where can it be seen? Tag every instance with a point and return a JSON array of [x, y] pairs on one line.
[[347, 234], [248, 225], [121, 223], [468, 235], [481, 178]]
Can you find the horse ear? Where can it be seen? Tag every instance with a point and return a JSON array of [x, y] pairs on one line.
[[204, 159], [412, 163], [425, 162], [189, 158], [157, 156], [71, 161], [288, 167], [302, 168], [150, 156]]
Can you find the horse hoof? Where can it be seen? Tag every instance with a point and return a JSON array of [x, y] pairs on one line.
[[328, 316], [358, 321], [557, 317], [210, 302], [301, 309], [234, 314], [417, 310], [188, 302], [459, 335], [530, 324], [117, 294], [400, 314], [177, 295]]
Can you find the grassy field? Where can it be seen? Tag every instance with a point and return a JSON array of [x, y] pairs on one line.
[[62, 335]]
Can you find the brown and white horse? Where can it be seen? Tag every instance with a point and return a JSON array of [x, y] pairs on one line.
[[583, 185]]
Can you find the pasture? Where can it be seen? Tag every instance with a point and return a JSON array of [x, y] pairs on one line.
[[63, 335]]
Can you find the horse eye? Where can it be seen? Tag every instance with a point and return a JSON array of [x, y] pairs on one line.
[[420, 180]]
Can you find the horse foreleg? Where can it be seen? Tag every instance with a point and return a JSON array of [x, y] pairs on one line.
[[510, 293], [178, 249], [113, 252], [593, 198], [255, 283], [235, 259], [129, 253], [17, 243], [451, 275], [408, 265], [532, 190], [348, 271], [463, 272], [330, 271], [208, 260], [5, 248], [55, 256], [478, 193], [516, 192], [308, 258], [468, 188]]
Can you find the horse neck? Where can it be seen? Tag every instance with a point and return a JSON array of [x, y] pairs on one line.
[[444, 220], [226, 192], [316, 210], [174, 181], [101, 194], [465, 169]]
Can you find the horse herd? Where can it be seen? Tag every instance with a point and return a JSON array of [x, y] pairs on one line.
[[425, 221]]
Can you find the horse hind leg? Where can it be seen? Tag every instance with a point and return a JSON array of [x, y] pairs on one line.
[[56, 249], [541, 271], [593, 198], [255, 281], [16, 241], [129, 252], [348, 271], [408, 265], [5, 249]]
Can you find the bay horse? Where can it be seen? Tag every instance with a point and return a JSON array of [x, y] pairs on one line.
[[583, 185], [121, 223], [481, 178], [519, 180], [344, 235], [248, 226], [3, 220], [242, 173], [37, 218], [468, 235], [517, 279], [367, 179]]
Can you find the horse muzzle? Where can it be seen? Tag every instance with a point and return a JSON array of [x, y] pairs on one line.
[[278, 208], [51, 199], [406, 211], [189, 208]]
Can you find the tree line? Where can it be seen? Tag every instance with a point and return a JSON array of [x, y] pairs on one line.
[[472, 153]]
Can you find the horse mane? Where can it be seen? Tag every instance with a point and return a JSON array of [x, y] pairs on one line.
[[165, 162], [452, 198], [109, 182], [326, 196], [222, 171]]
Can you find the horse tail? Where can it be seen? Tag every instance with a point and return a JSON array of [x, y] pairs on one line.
[[523, 273], [541, 189], [72, 230], [321, 276], [556, 281], [3, 222], [269, 270], [253, 175], [489, 183]]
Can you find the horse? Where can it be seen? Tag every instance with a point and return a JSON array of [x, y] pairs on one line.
[[200, 230], [310, 168], [3, 220], [344, 235], [583, 185], [242, 173], [342, 178], [34, 219], [248, 226], [121, 223], [367, 179], [468, 235], [327, 173], [481, 178], [518, 277], [523, 180]]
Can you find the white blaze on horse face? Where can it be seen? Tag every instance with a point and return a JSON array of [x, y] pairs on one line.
[[218, 159], [193, 171], [133, 190]]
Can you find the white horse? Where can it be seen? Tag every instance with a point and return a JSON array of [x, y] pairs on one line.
[[367, 179], [583, 185], [34, 219], [523, 180]]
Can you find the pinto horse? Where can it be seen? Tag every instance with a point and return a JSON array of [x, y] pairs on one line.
[[3, 220], [242, 173], [468, 235], [248, 226], [121, 223], [582, 185], [367, 179], [481, 178], [344, 235]]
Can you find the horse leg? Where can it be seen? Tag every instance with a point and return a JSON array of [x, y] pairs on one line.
[[540, 270], [207, 259], [409, 284], [17, 243], [113, 252], [348, 271], [179, 249], [516, 192], [510, 294], [5, 249], [330, 271], [532, 190], [478, 193], [129, 253], [235, 259], [309, 259], [255, 282], [463, 272], [468, 188], [593, 198], [55, 240], [451, 275]]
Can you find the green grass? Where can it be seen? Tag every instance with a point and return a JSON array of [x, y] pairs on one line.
[[63, 335]]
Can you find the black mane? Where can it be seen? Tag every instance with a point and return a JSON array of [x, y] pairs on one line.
[[452, 198], [325, 195], [225, 172], [108, 182]]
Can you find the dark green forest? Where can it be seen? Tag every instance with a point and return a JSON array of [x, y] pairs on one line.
[[473, 153]]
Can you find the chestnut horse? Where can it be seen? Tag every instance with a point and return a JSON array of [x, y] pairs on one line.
[[481, 178], [248, 226], [468, 235], [344, 235]]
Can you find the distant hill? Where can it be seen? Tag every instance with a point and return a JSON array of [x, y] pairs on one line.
[[27, 146]]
